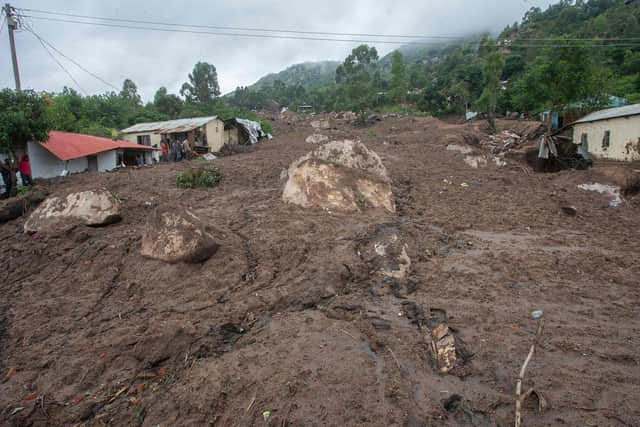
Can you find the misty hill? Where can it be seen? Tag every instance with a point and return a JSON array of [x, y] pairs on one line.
[[308, 75], [570, 52]]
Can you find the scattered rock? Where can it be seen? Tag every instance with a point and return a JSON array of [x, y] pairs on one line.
[[476, 162], [321, 124], [58, 213], [177, 235], [342, 175], [449, 351], [386, 253], [317, 138]]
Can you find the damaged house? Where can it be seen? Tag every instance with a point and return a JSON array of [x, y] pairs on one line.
[[205, 134], [611, 134]]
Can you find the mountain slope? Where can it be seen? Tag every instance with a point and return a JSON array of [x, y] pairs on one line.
[[308, 74]]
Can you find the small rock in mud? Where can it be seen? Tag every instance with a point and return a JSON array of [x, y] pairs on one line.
[[386, 253], [175, 235], [59, 213]]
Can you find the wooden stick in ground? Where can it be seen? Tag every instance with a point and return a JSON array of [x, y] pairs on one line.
[[536, 315]]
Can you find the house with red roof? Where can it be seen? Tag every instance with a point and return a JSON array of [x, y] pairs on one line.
[[67, 152]]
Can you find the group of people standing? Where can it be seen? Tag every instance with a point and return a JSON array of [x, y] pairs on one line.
[[175, 150], [9, 177]]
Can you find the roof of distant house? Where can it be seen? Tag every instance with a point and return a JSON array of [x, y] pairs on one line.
[[611, 113], [170, 126], [68, 146]]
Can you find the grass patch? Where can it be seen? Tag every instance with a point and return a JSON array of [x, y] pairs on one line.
[[203, 176]]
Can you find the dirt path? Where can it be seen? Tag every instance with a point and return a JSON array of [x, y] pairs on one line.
[[288, 318]]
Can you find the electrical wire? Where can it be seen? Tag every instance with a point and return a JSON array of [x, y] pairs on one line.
[[265, 30], [272, 36], [320, 33], [71, 60], [57, 61], [217, 33]]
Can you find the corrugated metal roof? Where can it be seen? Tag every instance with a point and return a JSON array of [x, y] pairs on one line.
[[67, 145], [611, 113], [170, 126]]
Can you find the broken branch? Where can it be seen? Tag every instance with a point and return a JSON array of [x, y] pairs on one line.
[[539, 316]]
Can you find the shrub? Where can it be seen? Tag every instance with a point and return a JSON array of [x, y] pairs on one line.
[[267, 127], [204, 176]]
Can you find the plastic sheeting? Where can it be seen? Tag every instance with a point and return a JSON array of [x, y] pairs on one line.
[[254, 130]]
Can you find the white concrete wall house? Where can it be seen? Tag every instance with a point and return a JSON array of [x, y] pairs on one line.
[[66, 153], [205, 134], [612, 134]]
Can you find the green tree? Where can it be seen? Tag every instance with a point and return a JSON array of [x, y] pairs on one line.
[[23, 118], [493, 63], [399, 82], [355, 76], [129, 93], [203, 84], [561, 76], [167, 103]]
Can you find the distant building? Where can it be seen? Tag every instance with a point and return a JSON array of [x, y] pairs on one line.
[[612, 134], [205, 134], [66, 153]]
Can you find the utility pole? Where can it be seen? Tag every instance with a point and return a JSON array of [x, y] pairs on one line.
[[11, 26]]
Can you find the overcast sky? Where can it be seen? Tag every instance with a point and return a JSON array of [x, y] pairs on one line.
[[153, 59]]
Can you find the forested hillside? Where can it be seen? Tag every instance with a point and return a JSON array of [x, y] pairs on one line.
[[573, 52], [308, 74]]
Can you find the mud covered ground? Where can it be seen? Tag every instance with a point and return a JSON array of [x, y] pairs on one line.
[[287, 316]]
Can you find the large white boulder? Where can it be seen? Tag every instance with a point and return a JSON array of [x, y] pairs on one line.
[[341, 175], [58, 213], [177, 235]]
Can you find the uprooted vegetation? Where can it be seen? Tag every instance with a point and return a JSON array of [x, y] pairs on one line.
[[260, 309]]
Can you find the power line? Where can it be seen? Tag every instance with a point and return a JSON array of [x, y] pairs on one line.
[[216, 33], [56, 61], [4, 21], [265, 30], [325, 33], [72, 60], [272, 36]]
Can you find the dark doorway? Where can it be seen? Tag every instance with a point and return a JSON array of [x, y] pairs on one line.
[[93, 163]]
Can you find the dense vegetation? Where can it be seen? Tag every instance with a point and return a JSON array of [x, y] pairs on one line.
[[105, 114], [576, 52], [541, 62]]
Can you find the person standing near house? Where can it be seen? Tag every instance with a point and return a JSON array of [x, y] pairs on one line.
[[186, 149], [174, 151], [163, 150], [25, 170]]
